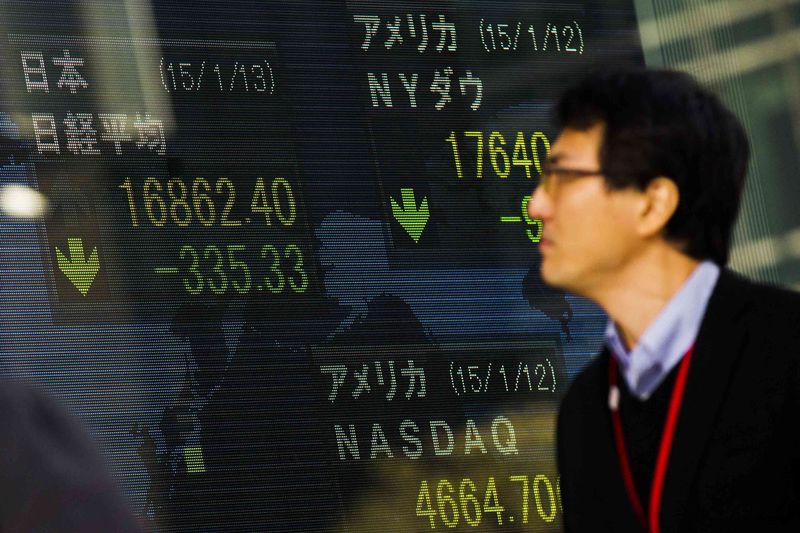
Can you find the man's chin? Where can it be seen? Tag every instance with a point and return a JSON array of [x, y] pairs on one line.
[[550, 276]]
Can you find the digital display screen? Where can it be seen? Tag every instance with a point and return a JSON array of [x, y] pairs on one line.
[[286, 277]]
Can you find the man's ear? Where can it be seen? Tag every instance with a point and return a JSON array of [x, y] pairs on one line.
[[658, 202]]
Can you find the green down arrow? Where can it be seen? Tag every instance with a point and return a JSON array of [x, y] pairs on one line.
[[78, 269], [412, 219]]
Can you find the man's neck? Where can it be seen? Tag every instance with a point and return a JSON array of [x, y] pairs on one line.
[[642, 289]]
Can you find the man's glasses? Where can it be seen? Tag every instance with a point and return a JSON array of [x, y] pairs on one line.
[[554, 176]]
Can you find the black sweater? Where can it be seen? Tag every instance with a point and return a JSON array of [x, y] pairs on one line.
[[642, 425]]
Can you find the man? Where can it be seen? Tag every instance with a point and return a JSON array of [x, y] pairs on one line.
[[686, 420]]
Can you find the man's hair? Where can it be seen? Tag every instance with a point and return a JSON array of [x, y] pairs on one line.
[[663, 123]]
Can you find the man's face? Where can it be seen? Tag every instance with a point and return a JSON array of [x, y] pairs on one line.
[[589, 231]]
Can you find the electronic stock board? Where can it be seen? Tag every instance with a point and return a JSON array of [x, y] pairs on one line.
[[286, 277]]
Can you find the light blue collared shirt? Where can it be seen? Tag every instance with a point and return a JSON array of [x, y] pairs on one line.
[[668, 337]]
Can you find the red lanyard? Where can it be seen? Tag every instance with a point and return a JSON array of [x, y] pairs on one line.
[[651, 525]]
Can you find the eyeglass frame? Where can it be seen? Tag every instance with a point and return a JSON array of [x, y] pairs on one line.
[[567, 175]]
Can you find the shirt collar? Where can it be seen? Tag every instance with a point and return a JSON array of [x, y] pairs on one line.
[[668, 337]]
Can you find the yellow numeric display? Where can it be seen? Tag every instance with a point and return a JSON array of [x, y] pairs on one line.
[[198, 201], [527, 151], [448, 502], [232, 269]]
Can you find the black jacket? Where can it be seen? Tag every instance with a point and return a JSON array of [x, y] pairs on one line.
[[734, 460]]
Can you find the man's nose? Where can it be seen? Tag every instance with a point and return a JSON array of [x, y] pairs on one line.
[[539, 204]]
